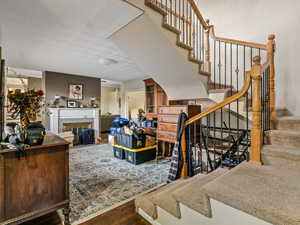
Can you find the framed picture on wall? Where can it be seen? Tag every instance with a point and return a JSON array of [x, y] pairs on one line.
[[76, 91]]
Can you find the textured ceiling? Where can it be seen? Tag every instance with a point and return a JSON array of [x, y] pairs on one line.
[[67, 36]]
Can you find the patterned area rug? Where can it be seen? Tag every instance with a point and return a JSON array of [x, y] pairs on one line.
[[98, 180]]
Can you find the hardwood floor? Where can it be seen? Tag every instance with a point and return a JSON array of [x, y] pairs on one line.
[[122, 215]]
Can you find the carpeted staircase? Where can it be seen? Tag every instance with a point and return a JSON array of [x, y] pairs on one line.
[[283, 150], [269, 193]]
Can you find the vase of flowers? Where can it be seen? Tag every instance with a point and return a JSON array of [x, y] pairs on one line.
[[25, 105]]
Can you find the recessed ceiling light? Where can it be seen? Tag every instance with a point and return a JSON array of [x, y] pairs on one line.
[[107, 61]]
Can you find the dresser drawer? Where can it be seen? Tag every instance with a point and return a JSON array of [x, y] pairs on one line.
[[168, 118], [171, 127], [172, 110], [166, 136]]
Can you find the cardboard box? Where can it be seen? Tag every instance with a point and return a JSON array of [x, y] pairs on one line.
[[112, 140], [128, 131], [68, 136], [150, 141]]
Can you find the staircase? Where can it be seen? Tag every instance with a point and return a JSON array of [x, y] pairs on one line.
[[245, 161], [284, 144], [248, 194]]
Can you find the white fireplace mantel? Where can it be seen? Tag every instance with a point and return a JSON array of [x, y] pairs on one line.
[[75, 115]]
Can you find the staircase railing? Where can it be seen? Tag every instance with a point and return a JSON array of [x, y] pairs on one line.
[[225, 60], [222, 135], [218, 137]]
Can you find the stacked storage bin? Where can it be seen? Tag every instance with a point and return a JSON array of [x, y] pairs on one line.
[[132, 148]]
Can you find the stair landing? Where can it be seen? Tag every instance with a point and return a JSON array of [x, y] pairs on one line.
[[266, 192]]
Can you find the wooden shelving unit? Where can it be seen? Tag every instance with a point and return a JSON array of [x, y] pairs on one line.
[[155, 97]]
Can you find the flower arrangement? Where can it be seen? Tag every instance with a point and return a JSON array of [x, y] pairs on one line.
[[25, 105]]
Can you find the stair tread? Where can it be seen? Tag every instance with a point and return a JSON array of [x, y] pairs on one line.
[[166, 200], [266, 192], [288, 123], [285, 132], [294, 118], [146, 202], [289, 138], [281, 149], [192, 196], [281, 156]]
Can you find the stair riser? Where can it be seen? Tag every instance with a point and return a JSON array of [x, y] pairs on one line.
[[280, 162], [285, 140]]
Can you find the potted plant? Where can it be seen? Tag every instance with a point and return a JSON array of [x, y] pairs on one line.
[[25, 105]]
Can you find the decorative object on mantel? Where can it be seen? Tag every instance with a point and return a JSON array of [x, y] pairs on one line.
[[76, 91], [93, 102], [71, 104], [25, 105], [59, 102]]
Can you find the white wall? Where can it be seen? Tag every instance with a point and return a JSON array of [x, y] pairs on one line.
[[222, 215], [110, 100], [0, 35], [254, 21], [126, 88], [136, 100]]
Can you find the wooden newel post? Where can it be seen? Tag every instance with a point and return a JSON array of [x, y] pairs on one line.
[[271, 53], [207, 63], [184, 171], [256, 131]]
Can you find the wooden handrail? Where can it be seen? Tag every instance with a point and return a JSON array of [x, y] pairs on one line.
[[198, 13], [206, 25], [233, 98], [254, 74], [237, 42], [227, 101]]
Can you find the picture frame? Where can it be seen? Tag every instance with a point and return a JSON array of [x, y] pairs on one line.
[[71, 104], [76, 91]]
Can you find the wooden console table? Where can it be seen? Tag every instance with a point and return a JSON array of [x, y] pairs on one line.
[[36, 184]]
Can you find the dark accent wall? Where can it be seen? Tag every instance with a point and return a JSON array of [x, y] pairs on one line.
[[58, 84]]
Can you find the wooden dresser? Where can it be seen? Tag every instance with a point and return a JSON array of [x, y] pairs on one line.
[[168, 118], [36, 184]]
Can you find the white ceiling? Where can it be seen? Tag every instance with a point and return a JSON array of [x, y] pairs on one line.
[[67, 36]]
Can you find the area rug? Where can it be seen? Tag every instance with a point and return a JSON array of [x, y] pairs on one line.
[[99, 181]]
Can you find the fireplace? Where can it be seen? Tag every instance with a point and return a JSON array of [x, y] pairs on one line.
[[68, 126], [64, 119]]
